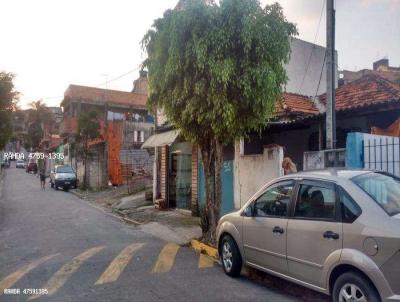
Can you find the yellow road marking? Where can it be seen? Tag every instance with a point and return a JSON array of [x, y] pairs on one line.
[[205, 261], [166, 258], [13, 278], [62, 275], [119, 263]]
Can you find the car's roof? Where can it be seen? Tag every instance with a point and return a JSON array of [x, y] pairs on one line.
[[329, 174], [62, 166]]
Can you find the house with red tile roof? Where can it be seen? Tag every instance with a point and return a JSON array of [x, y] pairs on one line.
[[370, 101], [370, 91]]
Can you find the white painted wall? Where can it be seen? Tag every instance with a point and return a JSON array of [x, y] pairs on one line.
[[297, 69], [252, 171]]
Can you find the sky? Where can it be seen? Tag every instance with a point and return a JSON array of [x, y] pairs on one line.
[[49, 44]]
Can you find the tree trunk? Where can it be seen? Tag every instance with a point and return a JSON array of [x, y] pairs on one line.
[[211, 154], [85, 164], [218, 180]]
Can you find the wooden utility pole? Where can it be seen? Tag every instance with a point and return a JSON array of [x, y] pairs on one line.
[[330, 76]]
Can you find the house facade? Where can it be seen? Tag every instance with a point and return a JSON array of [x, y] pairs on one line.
[[371, 101], [370, 104], [125, 123], [363, 105], [306, 69]]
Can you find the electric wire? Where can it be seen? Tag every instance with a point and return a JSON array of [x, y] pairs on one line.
[[99, 85], [313, 47]]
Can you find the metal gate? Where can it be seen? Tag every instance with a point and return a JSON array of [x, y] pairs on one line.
[[227, 205], [382, 153]]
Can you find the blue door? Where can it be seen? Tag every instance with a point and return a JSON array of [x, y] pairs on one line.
[[227, 205]]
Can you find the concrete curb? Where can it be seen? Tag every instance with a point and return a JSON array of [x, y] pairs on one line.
[[203, 248], [2, 172], [113, 213], [77, 194]]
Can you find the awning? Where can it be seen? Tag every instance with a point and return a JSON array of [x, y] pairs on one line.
[[161, 139]]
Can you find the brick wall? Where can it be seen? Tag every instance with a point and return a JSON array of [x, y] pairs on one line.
[[164, 172], [195, 167]]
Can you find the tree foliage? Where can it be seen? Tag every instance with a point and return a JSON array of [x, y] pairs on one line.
[[8, 103], [39, 117], [35, 135], [216, 72], [40, 112]]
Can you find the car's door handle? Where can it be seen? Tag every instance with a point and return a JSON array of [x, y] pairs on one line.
[[278, 230], [331, 235]]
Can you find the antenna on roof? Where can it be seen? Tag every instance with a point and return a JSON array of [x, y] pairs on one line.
[[106, 76]]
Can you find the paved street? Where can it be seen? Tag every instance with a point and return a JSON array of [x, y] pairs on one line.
[[52, 240]]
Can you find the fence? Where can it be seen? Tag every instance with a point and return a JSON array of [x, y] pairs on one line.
[[382, 153]]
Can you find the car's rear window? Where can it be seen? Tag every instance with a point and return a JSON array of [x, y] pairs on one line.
[[383, 188], [64, 169]]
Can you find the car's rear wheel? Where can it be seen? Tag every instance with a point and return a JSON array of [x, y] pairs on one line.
[[352, 286], [230, 257]]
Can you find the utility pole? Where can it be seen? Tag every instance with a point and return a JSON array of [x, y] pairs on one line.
[[330, 76]]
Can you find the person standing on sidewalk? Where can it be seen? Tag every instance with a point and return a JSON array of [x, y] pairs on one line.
[[42, 174]]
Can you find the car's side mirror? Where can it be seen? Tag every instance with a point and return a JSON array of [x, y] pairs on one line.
[[248, 212]]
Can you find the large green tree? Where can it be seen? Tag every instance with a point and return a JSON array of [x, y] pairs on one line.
[[8, 102], [216, 70]]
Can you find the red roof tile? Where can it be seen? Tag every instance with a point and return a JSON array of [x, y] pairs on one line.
[[295, 104], [369, 90], [99, 95]]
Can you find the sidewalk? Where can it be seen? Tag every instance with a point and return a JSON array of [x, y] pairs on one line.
[[173, 225]]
